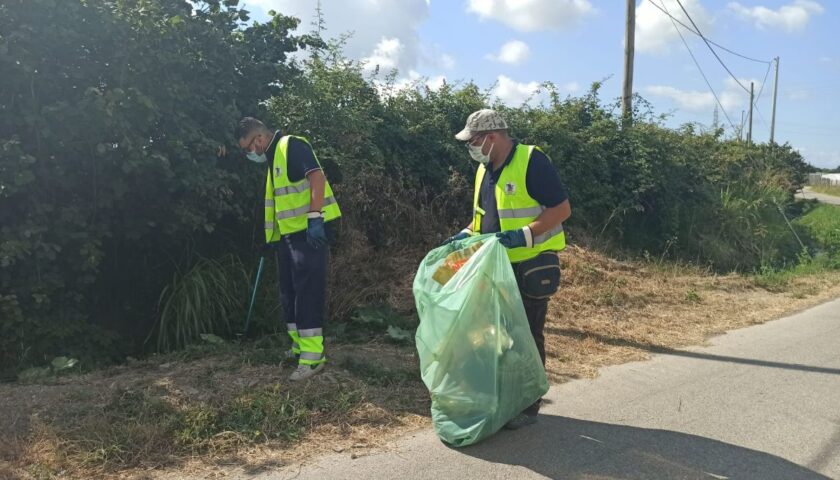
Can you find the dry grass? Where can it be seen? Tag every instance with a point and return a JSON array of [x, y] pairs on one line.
[[121, 422], [611, 312], [826, 189], [359, 275], [129, 420]]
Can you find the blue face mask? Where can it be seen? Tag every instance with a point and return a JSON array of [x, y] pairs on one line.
[[252, 156]]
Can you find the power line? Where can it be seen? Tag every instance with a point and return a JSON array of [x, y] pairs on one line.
[[760, 116], [700, 69], [709, 43], [755, 101], [763, 82], [710, 46], [674, 19]]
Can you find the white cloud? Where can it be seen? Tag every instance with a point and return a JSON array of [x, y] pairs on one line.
[[413, 81], [514, 93], [571, 87], [790, 18], [730, 84], [370, 21], [433, 57], [514, 52], [447, 61], [826, 59], [385, 56], [436, 82], [532, 15], [732, 97], [654, 31], [692, 100]]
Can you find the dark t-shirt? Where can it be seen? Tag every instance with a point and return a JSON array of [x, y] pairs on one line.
[[300, 157], [542, 181]]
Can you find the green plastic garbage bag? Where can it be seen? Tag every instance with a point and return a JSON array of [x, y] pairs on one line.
[[477, 356]]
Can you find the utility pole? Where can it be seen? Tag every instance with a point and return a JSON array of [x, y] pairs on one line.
[[319, 23], [716, 119], [629, 47], [775, 92], [749, 132], [741, 127]]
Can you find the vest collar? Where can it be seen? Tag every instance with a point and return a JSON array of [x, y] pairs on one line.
[[515, 144], [507, 160], [272, 147]]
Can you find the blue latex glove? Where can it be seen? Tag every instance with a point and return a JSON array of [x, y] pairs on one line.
[[315, 234], [458, 236], [512, 238]]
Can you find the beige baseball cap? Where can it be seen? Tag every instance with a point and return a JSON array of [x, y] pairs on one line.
[[481, 121]]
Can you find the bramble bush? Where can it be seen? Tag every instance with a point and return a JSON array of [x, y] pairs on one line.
[[117, 170]]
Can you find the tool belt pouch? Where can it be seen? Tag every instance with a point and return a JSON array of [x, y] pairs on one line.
[[539, 277]]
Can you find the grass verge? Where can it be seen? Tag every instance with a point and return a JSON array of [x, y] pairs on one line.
[[229, 405], [222, 404], [826, 189]]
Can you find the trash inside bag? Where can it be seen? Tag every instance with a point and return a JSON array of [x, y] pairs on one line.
[[477, 356]]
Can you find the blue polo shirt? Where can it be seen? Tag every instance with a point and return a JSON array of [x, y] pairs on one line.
[[542, 181]]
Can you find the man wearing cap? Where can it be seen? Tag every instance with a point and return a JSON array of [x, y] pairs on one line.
[[299, 206], [519, 196]]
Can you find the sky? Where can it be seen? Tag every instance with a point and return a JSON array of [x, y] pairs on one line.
[[512, 46]]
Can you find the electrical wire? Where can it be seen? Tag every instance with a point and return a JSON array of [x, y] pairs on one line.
[[701, 70], [763, 82], [710, 47], [710, 41]]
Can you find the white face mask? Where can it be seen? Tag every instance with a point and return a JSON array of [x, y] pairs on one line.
[[252, 156], [475, 152]]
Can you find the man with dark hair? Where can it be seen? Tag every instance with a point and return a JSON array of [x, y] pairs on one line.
[[519, 196], [298, 203]]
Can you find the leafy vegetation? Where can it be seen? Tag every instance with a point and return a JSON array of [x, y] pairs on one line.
[[120, 188]]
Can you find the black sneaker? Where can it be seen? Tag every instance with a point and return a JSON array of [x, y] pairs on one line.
[[521, 420]]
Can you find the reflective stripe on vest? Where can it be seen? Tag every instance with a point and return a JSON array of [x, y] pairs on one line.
[[303, 185], [530, 212], [296, 212], [516, 207], [287, 203]]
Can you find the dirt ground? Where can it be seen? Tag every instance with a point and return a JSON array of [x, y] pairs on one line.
[[607, 312]]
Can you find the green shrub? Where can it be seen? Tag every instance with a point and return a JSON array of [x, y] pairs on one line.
[[209, 298], [117, 168]]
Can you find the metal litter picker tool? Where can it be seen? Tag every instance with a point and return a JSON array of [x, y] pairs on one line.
[[254, 294]]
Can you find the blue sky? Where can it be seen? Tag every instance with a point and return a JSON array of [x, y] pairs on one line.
[[513, 45]]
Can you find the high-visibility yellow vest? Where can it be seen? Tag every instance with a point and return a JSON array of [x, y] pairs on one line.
[[516, 207], [287, 202]]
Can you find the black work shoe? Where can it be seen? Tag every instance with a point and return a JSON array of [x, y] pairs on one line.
[[521, 420]]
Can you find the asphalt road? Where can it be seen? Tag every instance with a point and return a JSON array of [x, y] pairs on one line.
[[759, 403], [808, 194]]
